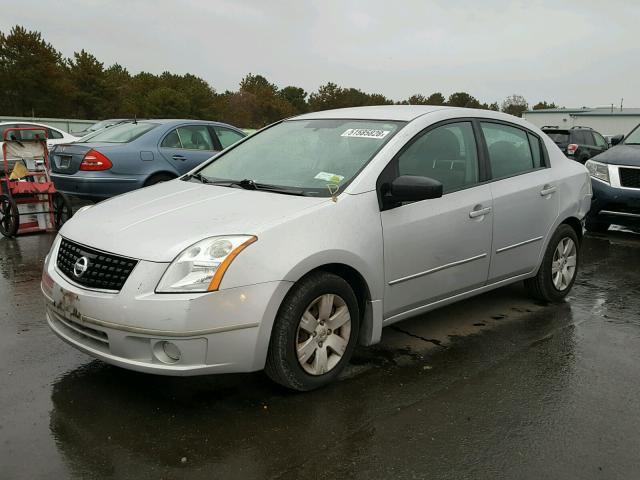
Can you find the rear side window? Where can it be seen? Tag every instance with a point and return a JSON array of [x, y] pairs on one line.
[[536, 150], [172, 140], [600, 141], [582, 137], [509, 149], [558, 136], [124, 133], [447, 154], [54, 134], [227, 136]]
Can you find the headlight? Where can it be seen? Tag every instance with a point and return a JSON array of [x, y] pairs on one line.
[[598, 170], [200, 267]]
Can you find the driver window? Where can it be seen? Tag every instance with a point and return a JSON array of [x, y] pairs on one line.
[[447, 154]]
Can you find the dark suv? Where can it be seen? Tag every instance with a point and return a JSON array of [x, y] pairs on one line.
[[577, 143]]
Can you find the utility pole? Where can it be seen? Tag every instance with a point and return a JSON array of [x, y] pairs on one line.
[[621, 101]]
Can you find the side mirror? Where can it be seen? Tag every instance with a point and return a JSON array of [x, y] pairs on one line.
[[409, 188], [615, 140]]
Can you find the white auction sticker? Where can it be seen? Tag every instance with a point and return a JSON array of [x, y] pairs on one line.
[[365, 133], [329, 177]]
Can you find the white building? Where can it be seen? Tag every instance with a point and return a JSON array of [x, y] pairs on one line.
[[607, 121]]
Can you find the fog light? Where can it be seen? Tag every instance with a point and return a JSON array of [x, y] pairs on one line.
[[171, 350], [167, 352]]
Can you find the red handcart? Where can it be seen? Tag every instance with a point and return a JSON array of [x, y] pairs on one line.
[[26, 189]]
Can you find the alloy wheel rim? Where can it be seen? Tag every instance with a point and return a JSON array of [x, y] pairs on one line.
[[323, 334], [563, 266]]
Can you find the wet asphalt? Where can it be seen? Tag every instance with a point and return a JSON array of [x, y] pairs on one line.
[[498, 386]]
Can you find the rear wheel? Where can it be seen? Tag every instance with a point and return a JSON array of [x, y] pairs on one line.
[[158, 178], [559, 267], [9, 217], [62, 210], [596, 227], [314, 334]]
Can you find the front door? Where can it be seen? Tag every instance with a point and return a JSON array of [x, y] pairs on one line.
[[437, 248]]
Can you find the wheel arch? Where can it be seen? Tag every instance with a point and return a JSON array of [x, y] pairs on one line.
[[370, 311], [160, 173], [574, 223]]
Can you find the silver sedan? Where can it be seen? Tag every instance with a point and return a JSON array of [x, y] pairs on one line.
[[298, 243]]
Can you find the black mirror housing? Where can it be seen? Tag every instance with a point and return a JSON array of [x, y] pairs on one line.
[[409, 188], [615, 140]]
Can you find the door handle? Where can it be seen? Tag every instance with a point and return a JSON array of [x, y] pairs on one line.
[[547, 190], [179, 157], [478, 211]]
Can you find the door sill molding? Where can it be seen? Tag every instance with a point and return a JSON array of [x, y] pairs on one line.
[[445, 301]]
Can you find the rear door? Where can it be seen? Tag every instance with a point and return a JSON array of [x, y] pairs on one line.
[[187, 146], [525, 201]]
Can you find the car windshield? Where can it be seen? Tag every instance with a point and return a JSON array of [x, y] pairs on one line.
[[100, 125], [317, 157], [634, 137], [124, 133]]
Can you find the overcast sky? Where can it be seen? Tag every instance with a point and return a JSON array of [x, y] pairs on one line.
[[571, 52]]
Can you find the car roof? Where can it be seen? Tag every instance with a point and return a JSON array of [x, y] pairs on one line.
[[29, 123], [404, 113]]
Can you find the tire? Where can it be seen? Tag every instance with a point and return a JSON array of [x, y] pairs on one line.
[[545, 285], [62, 210], [158, 178], [9, 217], [292, 365], [596, 227]]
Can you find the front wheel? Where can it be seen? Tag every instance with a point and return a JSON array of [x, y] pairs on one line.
[[9, 216], [559, 268], [314, 334]]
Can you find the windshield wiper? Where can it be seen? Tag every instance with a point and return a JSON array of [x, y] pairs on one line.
[[248, 184], [197, 176]]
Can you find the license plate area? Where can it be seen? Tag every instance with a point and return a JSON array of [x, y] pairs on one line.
[[64, 161]]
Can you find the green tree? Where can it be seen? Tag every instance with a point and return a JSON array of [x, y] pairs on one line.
[[88, 78], [463, 99], [168, 103], [33, 76], [296, 96], [544, 105], [515, 105]]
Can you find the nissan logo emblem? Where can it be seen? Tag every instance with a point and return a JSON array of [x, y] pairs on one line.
[[81, 266]]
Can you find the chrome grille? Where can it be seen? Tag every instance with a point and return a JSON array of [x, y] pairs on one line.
[[104, 271]]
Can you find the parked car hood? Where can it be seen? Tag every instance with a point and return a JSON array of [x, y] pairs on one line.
[[157, 223], [621, 155]]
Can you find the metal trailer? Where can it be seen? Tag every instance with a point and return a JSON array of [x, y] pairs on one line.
[[26, 189]]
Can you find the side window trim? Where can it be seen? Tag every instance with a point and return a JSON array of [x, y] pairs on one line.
[[544, 159], [214, 139], [391, 171], [217, 144]]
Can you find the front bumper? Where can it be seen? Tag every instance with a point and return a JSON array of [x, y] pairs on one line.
[[96, 187], [620, 206], [218, 332]]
